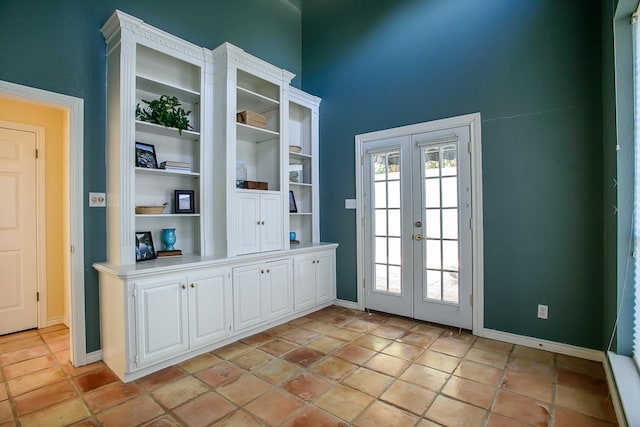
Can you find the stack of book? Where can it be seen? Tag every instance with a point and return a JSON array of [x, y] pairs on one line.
[[171, 165], [166, 254]]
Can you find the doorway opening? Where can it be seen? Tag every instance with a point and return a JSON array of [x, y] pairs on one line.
[[419, 213], [73, 146]]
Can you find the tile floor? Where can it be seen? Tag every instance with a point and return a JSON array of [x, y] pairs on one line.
[[335, 367]]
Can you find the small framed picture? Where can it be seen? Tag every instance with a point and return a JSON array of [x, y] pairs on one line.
[[183, 201], [144, 246], [292, 203], [146, 156]]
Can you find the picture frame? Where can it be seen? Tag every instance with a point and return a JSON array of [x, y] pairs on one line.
[[146, 156], [183, 201], [293, 208], [144, 246]]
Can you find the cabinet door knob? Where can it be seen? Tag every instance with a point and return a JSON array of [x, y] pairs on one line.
[[262, 222], [261, 271], [184, 286], [313, 262], [193, 285], [267, 270], [258, 222]]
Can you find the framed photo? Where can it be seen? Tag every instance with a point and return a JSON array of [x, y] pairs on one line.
[[292, 202], [183, 201], [146, 156], [144, 246]]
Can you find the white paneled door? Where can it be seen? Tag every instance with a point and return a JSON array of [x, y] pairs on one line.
[[418, 242], [18, 255]]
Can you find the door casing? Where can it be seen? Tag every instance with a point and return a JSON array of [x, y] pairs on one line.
[[75, 136], [473, 122]]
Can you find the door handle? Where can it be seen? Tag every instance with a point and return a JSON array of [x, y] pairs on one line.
[[418, 237]]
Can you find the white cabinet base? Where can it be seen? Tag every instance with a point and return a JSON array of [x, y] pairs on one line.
[[159, 313]]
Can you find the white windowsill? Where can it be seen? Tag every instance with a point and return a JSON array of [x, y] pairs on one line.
[[627, 378]]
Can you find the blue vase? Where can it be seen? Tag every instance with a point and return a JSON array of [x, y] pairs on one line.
[[168, 238]]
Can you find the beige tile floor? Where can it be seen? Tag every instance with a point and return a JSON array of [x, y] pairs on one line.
[[333, 367]]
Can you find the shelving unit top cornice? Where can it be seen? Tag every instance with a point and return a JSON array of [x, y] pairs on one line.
[[149, 84], [124, 26], [160, 130], [254, 134], [151, 171]]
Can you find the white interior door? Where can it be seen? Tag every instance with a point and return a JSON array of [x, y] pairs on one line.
[[18, 238], [418, 243]]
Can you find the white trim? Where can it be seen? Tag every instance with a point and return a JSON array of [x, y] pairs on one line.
[[346, 304], [613, 389], [473, 122], [94, 356], [75, 108], [58, 320], [552, 346]]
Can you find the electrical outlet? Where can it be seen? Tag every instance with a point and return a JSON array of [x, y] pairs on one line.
[[543, 311], [97, 200]]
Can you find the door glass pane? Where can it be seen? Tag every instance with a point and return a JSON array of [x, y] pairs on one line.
[[450, 192], [432, 193], [450, 255], [394, 194], [381, 277], [386, 222], [433, 288], [394, 222], [449, 161], [394, 251], [381, 250], [450, 287], [395, 283], [433, 256], [380, 195], [433, 224], [450, 223], [380, 222], [432, 162], [379, 167]]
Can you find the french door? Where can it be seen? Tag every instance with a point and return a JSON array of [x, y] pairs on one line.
[[418, 241]]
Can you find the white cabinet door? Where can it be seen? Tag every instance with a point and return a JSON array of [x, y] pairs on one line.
[[279, 276], [325, 277], [161, 318], [249, 297], [271, 237], [247, 223], [304, 281], [209, 306]]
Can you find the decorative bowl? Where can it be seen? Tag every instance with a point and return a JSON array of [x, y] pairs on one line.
[[295, 148], [150, 210]]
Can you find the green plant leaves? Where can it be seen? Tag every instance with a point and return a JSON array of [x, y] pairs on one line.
[[165, 111]]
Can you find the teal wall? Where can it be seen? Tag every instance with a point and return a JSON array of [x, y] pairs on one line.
[[57, 46], [532, 68]]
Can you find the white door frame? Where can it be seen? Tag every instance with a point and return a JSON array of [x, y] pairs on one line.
[[473, 122], [75, 136]]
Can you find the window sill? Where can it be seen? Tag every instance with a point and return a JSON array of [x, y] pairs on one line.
[[627, 382]]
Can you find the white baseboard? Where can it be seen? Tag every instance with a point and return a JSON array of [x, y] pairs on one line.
[[53, 321], [613, 390], [555, 347], [93, 357], [346, 304]]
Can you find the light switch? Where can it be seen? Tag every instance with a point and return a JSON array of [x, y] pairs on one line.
[[349, 203], [97, 200]]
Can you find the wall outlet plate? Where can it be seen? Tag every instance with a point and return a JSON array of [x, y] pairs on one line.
[[97, 200], [543, 311]]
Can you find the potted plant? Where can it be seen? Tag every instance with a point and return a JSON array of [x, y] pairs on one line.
[[165, 111]]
